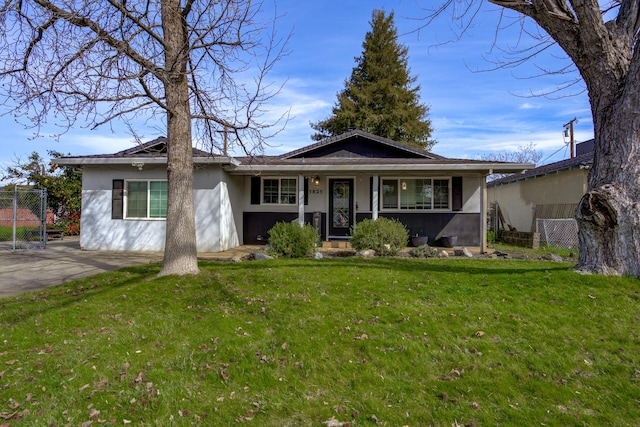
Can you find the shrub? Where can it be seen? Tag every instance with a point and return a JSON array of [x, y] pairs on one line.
[[291, 240], [423, 251], [383, 235], [494, 236]]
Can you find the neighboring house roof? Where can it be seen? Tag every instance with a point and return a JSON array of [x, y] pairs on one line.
[[351, 151], [583, 161]]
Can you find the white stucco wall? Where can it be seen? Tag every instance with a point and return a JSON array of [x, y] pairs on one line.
[[216, 228], [472, 194], [518, 199], [215, 225]]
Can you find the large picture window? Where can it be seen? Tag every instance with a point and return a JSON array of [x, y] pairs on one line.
[[146, 199], [416, 193], [279, 191]]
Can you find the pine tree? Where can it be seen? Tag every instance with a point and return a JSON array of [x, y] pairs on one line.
[[380, 98]]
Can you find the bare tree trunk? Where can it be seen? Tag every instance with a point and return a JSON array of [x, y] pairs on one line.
[[180, 253], [609, 214]]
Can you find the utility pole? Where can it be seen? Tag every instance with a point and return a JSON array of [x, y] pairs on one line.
[[569, 127], [225, 146]]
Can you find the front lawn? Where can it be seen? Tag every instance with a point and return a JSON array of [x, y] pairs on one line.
[[330, 342]]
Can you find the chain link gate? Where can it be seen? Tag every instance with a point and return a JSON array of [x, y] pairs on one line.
[[561, 233], [23, 219]]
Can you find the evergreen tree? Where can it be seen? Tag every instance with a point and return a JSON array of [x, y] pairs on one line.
[[380, 98]]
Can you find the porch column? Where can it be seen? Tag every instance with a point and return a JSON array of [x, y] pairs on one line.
[[301, 199], [483, 214], [374, 197]]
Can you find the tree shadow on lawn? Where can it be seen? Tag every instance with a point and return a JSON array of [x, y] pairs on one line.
[[24, 306], [413, 265], [29, 304]]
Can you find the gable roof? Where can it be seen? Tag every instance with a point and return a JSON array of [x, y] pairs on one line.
[[357, 143], [361, 151], [151, 152], [155, 147], [350, 152]]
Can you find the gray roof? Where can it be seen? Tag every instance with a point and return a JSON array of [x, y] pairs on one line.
[[583, 161], [331, 154], [360, 133]]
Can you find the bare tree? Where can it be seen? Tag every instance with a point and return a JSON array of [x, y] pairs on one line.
[[524, 154], [196, 61], [601, 38]]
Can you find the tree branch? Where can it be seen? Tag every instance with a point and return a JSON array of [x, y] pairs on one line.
[[120, 6], [629, 18], [120, 45]]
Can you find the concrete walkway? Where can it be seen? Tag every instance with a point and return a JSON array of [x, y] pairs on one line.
[[63, 261]]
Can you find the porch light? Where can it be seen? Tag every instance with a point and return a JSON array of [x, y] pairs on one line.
[[138, 165], [404, 185], [316, 180]]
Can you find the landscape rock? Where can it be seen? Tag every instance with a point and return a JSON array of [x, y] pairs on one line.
[[443, 254], [463, 252], [259, 256], [318, 255], [366, 253], [553, 257], [236, 259]]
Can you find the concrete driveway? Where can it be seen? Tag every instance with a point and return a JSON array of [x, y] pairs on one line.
[[62, 261]]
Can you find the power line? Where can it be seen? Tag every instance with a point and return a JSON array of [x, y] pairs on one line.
[[553, 154]]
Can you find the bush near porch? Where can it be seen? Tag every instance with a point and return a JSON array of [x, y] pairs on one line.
[[292, 240], [385, 236]]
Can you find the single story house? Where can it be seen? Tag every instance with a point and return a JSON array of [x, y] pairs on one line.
[[332, 184], [549, 191]]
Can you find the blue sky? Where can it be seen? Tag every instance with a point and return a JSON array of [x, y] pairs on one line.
[[473, 112]]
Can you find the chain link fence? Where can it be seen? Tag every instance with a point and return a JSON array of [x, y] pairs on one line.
[[23, 215], [561, 233]]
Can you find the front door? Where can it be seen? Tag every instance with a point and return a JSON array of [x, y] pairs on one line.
[[341, 216]]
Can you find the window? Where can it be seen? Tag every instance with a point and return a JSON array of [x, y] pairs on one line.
[[416, 193], [146, 199], [441, 194], [389, 194], [279, 191]]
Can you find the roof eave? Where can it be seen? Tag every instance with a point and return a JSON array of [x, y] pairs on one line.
[[97, 161], [483, 168]]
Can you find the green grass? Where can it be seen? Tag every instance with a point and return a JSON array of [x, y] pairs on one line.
[[389, 342], [6, 233], [528, 253]]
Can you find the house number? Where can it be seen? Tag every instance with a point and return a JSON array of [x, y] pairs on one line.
[[315, 191]]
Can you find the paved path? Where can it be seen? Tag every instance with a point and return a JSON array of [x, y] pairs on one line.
[[63, 260]]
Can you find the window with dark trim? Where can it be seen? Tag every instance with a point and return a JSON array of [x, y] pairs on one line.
[[279, 191], [416, 193]]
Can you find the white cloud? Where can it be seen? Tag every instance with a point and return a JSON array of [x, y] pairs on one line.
[[528, 106], [90, 143]]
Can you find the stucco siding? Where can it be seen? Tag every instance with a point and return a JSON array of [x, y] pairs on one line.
[[471, 194], [518, 199], [99, 232], [215, 222]]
